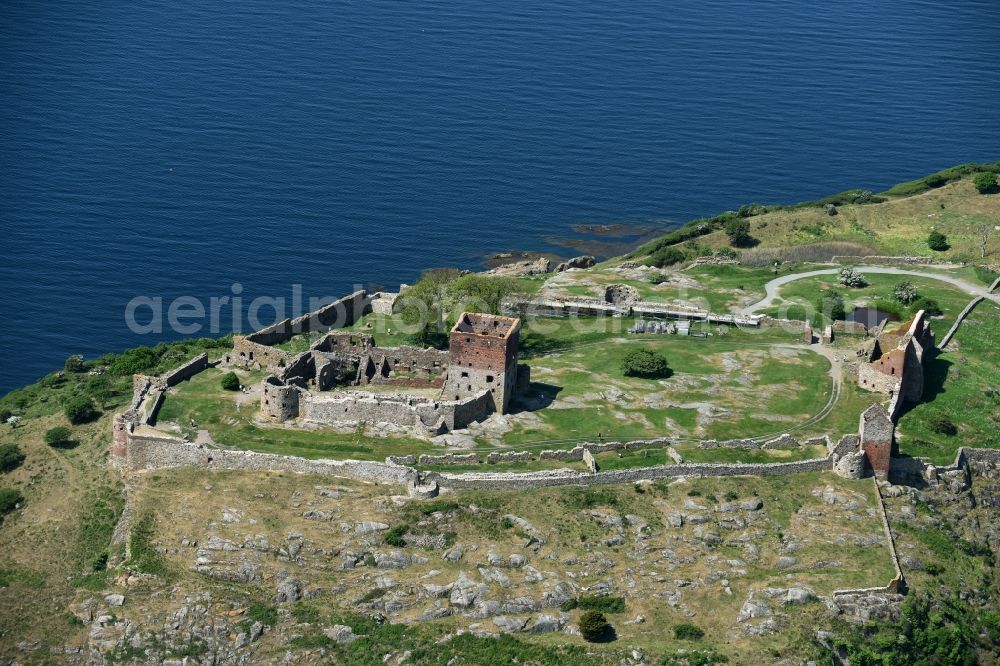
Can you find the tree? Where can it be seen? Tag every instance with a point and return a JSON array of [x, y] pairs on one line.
[[645, 363], [905, 292], [481, 293], [851, 278], [986, 182], [230, 382], [831, 304], [59, 437], [10, 457], [738, 231], [422, 306], [594, 627], [74, 364], [937, 241]]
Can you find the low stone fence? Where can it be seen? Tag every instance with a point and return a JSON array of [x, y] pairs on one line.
[[449, 459], [566, 477], [163, 452], [509, 456], [880, 259]]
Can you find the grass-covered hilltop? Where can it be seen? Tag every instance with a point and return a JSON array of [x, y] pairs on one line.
[[680, 481]]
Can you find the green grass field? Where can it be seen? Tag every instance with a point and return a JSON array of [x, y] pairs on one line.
[[720, 388]]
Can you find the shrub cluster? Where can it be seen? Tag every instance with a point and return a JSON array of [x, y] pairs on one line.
[[937, 241], [905, 292], [11, 457], [851, 278], [59, 437], [80, 409], [645, 363], [230, 382], [595, 628]]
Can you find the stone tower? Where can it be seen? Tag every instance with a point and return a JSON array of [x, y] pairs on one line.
[[877, 432], [483, 357]]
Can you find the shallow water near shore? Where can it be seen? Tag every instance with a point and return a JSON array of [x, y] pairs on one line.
[[175, 149]]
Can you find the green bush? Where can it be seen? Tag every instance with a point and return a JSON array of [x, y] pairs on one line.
[[645, 363], [81, 409], [905, 292], [986, 182], [230, 382], [5, 414], [928, 305], [10, 457], [134, 361], [263, 613], [664, 256], [75, 363], [595, 628], [688, 632], [395, 536], [9, 499], [596, 603], [937, 241], [59, 437]]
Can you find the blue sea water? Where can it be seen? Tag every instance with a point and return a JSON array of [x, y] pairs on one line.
[[175, 148]]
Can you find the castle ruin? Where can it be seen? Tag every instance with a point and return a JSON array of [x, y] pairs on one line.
[[893, 359], [347, 378]]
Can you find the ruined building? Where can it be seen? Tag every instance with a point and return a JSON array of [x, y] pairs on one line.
[[347, 377], [892, 361]]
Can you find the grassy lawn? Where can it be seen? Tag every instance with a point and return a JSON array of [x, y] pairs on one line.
[[717, 288], [963, 384], [232, 425], [878, 293], [693, 454], [720, 388], [897, 227]]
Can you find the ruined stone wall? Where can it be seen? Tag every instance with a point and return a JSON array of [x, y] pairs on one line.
[[470, 410], [299, 369], [146, 452], [351, 343], [186, 371], [509, 456], [340, 313], [513, 481], [249, 354], [881, 376], [363, 407], [449, 459]]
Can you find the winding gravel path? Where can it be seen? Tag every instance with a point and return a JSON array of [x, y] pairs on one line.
[[771, 288]]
